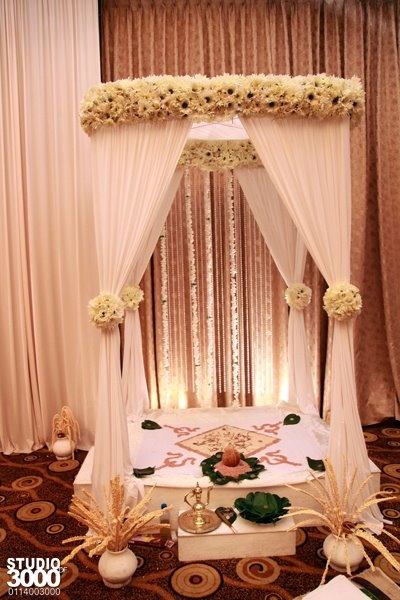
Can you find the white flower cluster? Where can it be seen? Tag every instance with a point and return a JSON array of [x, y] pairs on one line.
[[342, 301], [132, 295], [298, 296], [106, 310], [217, 155], [201, 98]]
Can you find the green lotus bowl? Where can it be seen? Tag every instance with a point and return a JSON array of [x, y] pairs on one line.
[[262, 507]]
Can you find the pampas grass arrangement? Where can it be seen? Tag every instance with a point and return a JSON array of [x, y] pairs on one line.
[[341, 513], [114, 528]]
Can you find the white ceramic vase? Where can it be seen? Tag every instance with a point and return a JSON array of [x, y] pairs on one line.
[[117, 568], [63, 448], [342, 552]]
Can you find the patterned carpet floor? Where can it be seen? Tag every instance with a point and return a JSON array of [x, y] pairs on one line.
[[35, 491]]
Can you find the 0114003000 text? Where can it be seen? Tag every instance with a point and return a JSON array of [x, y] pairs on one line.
[[34, 576], [34, 591]]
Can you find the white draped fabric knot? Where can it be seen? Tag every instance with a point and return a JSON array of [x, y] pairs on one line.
[[106, 310], [132, 295], [298, 296], [342, 301]]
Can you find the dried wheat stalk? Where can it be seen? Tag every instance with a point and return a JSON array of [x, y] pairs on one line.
[[65, 424], [114, 528], [341, 513]]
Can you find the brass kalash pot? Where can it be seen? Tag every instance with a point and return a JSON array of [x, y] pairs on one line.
[[198, 519]]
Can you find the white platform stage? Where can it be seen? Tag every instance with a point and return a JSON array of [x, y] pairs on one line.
[[188, 436]]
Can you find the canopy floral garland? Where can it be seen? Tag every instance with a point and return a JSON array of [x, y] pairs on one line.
[[201, 98], [218, 155]]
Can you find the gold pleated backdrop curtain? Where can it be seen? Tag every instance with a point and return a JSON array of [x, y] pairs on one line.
[[221, 338]]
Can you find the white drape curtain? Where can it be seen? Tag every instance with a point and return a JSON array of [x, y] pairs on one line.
[[132, 167], [134, 385], [289, 253], [309, 164], [49, 56]]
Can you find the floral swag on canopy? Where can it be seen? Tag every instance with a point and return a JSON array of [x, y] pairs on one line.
[[202, 98]]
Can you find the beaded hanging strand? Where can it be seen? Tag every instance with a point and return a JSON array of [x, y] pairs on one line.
[[165, 377], [210, 289], [193, 287], [234, 292]]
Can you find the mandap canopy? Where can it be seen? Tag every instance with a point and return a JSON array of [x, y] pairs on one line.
[[295, 173]]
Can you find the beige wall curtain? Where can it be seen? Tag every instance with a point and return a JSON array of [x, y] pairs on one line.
[[48, 352], [142, 37]]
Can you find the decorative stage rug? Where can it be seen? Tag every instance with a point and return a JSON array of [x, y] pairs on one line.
[[35, 492], [282, 441]]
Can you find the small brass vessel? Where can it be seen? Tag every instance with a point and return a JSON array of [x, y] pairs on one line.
[[199, 519]]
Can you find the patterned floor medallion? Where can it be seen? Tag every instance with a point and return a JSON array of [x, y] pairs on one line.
[[69, 576], [140, 561], [370, 437], [35, 511], [30, 458], [391, 432], [258, 571], [166, 555], [26, 483], [196, 580], [392, 470], [301, 537], [391, 513], [55, 528], [4, 578], [387, 568], [391, 487], [61, 466]]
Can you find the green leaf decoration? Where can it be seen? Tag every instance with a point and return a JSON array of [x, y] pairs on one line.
[[208, 468], [291, 419], [316, 464], [262, 507], [147, 424], [143, 472]]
